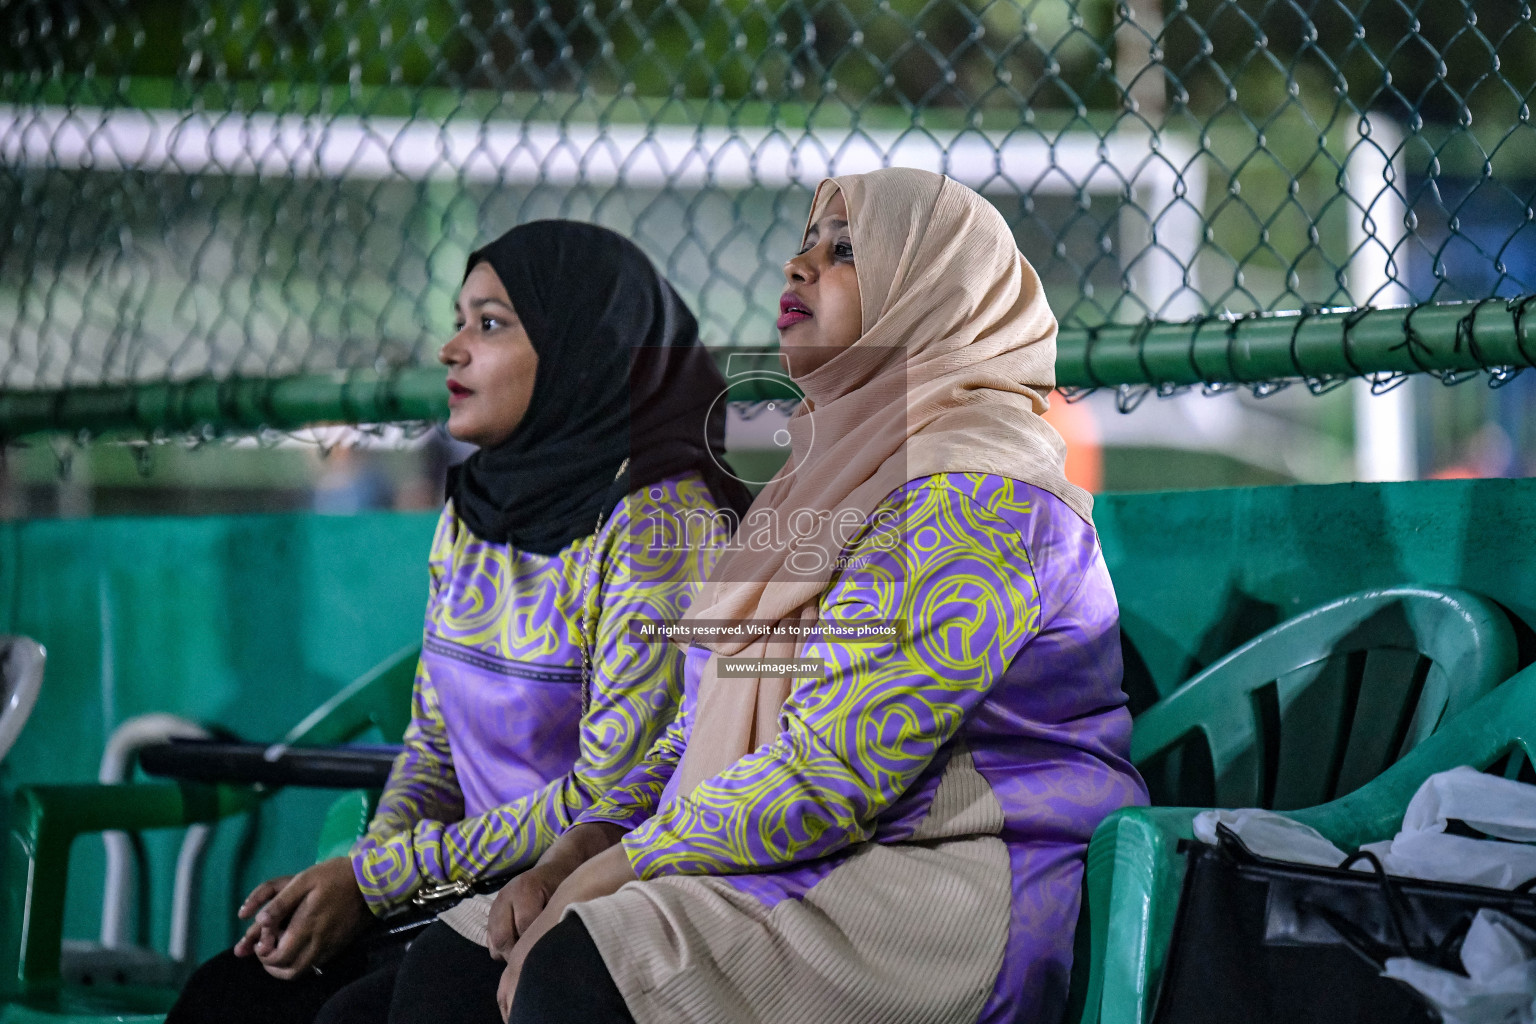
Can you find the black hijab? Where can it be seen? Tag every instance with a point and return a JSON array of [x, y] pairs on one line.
[[621, 374]]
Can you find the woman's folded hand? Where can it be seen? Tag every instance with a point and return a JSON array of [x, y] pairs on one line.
[[258, 898], [312, 917], [521, 900], [600, 876], [518, 904]]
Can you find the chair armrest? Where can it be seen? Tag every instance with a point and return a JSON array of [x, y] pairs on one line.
[[270, 764], [44, 821], [1132, 882]]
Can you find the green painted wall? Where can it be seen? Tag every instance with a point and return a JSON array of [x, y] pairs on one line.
[[248, 622]]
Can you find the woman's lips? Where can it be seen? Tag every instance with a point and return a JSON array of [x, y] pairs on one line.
[[791, 311], [457, 392]]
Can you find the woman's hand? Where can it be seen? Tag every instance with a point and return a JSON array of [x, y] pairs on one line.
[[519, 903], [521, 900], [601, 876], [311, 917], [254, 902]]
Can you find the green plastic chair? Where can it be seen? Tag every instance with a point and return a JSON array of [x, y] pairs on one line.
[[45, 820], [1301, 715]]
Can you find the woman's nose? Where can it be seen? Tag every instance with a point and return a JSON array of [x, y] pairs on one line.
[[452, 352], [800, 269]]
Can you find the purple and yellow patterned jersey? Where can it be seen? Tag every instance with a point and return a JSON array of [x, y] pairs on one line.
[[1001, 713], [500, 756]]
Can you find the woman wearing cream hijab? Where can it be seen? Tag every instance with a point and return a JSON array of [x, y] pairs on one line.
[[899, 835]]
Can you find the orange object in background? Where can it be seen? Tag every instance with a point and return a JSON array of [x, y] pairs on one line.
[[1487, 453], [1077, 426]]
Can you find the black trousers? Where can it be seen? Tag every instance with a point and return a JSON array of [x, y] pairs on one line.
[[565, 981], [441, 977]]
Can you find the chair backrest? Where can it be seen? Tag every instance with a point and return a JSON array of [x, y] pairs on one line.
[[22, 660], [345, 820], [1498, 734], [381, 698], [1324, 702]]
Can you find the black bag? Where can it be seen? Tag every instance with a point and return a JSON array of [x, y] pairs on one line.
[[1265, 941], [431, 901]]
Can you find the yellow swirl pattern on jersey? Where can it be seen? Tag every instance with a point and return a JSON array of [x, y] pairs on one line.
[[851, 744], [500, 757]]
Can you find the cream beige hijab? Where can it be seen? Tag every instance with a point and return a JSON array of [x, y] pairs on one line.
[[950, 375]]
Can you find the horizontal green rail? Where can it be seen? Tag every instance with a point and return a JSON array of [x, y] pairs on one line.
[[1447, 340], [242, 403]]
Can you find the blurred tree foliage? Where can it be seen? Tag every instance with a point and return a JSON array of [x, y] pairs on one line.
[[1447, 61]]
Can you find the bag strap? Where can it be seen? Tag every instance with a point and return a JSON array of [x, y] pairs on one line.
[[1394, 901]]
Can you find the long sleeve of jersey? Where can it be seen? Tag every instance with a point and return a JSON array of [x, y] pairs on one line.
[[851, 743], [420, 835]]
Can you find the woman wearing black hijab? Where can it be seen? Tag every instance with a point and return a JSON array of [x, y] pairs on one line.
[[597, 496]]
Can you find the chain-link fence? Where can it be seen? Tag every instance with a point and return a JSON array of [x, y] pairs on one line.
[[230, 189]]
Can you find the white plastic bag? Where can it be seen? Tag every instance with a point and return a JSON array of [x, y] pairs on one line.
[[1495, 806], [1499, 955], [1271, 835], [1498, 807], [1422, 849]]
